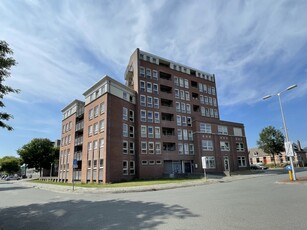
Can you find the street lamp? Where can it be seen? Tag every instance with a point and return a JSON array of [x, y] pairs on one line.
[[284, 121]]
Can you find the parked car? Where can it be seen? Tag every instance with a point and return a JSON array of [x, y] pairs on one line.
[[12, 178], [258, 167]]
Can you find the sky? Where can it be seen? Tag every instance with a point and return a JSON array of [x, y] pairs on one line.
[[254, 48]]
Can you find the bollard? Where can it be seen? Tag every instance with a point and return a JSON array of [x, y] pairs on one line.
[[290, 175]]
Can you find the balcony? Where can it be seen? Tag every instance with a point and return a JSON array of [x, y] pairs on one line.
[[165, 76], [165, 89]]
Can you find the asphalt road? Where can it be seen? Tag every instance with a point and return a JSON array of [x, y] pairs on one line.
[[253, 203]]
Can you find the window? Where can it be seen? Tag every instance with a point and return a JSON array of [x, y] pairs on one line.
[[148, 73], [201, 98], [101, 163], [190, 135], [203, 111], [89, 146], [101, 124], [90, 130], [185, 134], [143, 131], [216, 115], [183, 107], [158, 148], [143, 100], [205, 128], [188, 108], [150, 132], [241, 162], [125, 130], [209, 90], [207, 145], [210, 100], [178, 107], [205, 88], [180, 148], [189, 121], [200, 87], [125, 114], [240, 147], [150, 147], [144, 147], [186, 83], [181, 94], [213, 91], [131, 147], [131, 115], [176, 93], [155, 88], [132, 168], [156, 103], [222, 130], [184, 120], [191, 149], [96, 128], [179, 134], [149, 101], [176, 81], [91, 114], [210, 162], [143, 115], [151, 162], [150, 116], [95, 164], [149, 87], [157, 132], [206, 100], [125, 167], [96, 111], [102, 107], [181, 82], [214, 102], [224, 146], [89, 164], [157, 117], [101, 143], [142, 71], [142, 86], [237, 132], [155, 74], [187, 95], [186, 148], [131, 131], [144, 162], [178, 120]]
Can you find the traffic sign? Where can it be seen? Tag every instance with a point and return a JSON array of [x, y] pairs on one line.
[[289, 149]]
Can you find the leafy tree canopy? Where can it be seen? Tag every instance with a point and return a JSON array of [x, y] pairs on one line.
[[5, 66], [39, 153], [10, 164], [271, 141]]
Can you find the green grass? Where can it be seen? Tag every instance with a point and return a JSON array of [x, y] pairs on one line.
[[120, 184]]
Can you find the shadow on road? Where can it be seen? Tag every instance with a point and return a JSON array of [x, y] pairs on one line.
[[12, 188], [111, 214]]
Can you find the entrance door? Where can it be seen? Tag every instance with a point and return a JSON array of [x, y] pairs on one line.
[[226, 164], [187, 167]]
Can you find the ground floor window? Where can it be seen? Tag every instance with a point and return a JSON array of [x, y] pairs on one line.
[[210, 162], [242, 161]]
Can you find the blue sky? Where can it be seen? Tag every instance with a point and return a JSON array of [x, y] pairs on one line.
[[254, 48]]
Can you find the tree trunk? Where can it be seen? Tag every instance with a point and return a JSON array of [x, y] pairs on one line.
[[274, 160]]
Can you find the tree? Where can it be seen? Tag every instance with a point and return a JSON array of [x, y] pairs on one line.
[[271, 141], [38, 153], [5, 66], [10, 164]]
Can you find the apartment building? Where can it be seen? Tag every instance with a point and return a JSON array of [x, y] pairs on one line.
[[161, 122]]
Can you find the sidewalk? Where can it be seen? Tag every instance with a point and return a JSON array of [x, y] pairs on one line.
[[210, 180]]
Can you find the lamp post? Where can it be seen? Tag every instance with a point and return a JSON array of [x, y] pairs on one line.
[[284, 121]]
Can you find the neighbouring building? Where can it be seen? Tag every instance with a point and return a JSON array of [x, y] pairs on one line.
[[160, 123], [257, 155]]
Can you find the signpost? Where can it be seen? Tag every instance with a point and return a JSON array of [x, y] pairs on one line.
[[75, 165], [204, 164], [289, 149]]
